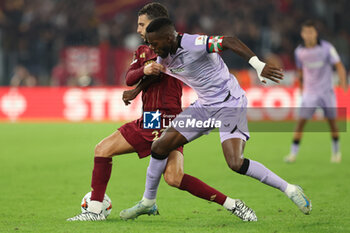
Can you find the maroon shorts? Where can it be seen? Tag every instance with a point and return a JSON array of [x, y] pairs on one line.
[[141, 139]]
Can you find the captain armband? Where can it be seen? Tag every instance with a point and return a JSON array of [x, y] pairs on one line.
[[214, 44]]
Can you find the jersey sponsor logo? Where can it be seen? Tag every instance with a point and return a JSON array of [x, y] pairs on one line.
[[201, 40], [177, 70], [214, 44], [314, 65], [151, 120]]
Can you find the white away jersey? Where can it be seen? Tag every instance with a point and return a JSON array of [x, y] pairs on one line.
[[204, 71]]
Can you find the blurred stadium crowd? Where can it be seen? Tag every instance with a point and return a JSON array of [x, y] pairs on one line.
[[34, 33]]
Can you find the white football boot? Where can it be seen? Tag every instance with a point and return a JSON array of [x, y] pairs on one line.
[[137, 210], [241, 210], [297, 195], [291, 158], [88, 216], [336, 158]]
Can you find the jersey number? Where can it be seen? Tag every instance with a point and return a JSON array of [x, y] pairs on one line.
[[156, 134]]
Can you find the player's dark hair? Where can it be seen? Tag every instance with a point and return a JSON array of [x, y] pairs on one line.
[[309, 23], [159, 24], [154, 10]]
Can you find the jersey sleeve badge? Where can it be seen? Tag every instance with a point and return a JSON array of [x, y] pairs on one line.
[[214, 44], [201, 40]]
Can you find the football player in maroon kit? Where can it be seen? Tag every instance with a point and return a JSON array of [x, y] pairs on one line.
[[160, 93]]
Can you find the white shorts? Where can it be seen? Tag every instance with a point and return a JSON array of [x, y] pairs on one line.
[[232, 115], [326, 101]]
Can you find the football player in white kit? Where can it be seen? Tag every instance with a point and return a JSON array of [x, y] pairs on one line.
[[315, 60], [194, 59]]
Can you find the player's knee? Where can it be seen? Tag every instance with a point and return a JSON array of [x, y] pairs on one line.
[[173, 178], [235, 163], [99, 151], [159, 148]]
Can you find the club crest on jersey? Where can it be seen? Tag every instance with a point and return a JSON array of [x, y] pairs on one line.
[[143, 55], [151, 120], [215, 44]]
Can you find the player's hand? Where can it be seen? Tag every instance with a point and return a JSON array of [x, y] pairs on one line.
[[273, 73], [128, 96], [153, 69]]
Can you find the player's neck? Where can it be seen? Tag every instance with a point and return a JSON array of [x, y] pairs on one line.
[[310, 44], [174, 48], [176, 44]]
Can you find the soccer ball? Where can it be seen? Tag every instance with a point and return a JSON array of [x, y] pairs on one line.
[[106, 204]]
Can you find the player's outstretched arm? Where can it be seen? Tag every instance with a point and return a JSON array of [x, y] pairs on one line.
[[143, 85], [264, 70], [342, 75]]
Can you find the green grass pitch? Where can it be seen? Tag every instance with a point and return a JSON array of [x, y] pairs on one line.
[[45, 170]]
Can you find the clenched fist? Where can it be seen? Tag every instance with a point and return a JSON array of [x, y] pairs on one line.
[[153, 69]]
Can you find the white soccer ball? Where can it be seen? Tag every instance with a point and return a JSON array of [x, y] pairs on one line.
[[106, 204]]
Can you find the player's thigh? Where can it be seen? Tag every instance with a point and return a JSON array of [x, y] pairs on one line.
[[114, 144], [329, 105], [309, 104], [170, 140], [174, 170]]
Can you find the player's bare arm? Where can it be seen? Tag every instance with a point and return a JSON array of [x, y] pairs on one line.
[[342, 75], [268, 71], [143, 85], [299, 75]]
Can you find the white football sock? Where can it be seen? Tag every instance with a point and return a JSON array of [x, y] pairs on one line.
[[229, 203], [148, 202], [95, 207]]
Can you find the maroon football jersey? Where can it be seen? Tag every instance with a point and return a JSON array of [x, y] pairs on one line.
[[164, 94]]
